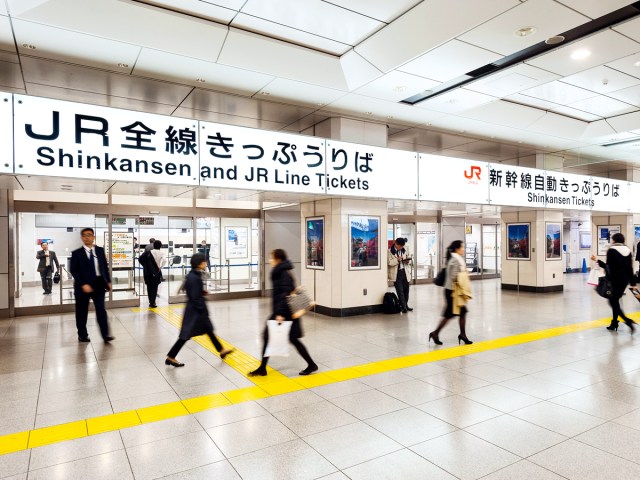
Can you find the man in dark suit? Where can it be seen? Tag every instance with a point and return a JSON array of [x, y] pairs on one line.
[[46, 259], [90, 282]]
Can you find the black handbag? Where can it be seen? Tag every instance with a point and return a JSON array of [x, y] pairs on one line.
[[56, 277], [441, 277], [604, 287]]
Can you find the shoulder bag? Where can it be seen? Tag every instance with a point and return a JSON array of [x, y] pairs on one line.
[[299, 301]]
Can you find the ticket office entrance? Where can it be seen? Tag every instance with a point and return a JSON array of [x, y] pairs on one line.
[[230, 243]]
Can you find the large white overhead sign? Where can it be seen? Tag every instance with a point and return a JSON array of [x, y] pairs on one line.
[[64, 139], [6, 133], [447, 179]]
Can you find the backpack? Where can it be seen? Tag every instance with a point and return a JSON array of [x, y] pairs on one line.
[[390, 303], [441, 277]]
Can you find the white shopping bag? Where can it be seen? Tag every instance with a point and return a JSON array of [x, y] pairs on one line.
[[278, 345], [594, 275]]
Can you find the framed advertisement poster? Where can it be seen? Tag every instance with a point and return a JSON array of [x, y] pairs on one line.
[[314, 236], [236, 242], [364, 239], [604, 237], [553, 238], [518, 241], [121, 250], [585, 240]]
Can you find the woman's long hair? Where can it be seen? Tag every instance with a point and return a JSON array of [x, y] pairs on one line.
[[455, 245]]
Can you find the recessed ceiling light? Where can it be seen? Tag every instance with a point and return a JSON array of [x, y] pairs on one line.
[[266, 94], [637, 64], [320, 104], [525, 31], [389, 117], [123, 65], [29, 46], [580, 54], [556, 39], [200, 80], [453, 100], [368, 113], [400, 88]]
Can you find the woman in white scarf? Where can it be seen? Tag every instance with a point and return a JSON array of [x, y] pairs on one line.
[[457, 291]]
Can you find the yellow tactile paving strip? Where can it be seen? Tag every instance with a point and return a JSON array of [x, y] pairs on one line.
[[274, 384]]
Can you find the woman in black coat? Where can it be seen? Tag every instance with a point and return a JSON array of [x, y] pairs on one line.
[[283, 285], [196, 319], [620, 272]]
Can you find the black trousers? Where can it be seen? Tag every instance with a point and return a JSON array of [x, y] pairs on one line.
[[616, 309], [295, 341], [152, 291], [180, 343], [82, 308], [46, 276], [402, 288]]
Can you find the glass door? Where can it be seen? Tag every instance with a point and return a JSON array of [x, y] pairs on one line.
[[426, 250], [491, 259], [126, 274], [473, 247], [180, 249]]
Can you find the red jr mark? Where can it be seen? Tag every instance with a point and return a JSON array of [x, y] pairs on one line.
[[474, 170]]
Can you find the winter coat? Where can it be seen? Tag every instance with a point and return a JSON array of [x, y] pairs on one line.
[[196, 319], [393, 261], [283, 284], [620, 266], [455, 265]]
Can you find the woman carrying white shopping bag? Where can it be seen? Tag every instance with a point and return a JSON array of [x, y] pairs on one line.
[[283, 286]]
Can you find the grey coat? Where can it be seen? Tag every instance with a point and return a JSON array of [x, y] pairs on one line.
[[453, 269]]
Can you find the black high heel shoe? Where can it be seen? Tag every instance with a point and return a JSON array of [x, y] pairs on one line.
[[173, 363], [463, 338], [434, 336], [258, 372], [630, 324], [613, 327]]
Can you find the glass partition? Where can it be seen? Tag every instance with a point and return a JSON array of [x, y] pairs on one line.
[[491, 249], [473, 247], [426, 258], [180, 249]]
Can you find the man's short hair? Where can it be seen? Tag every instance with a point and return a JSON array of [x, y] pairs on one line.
[[401, 241], [87, 229], [44, 243], [157, 244]]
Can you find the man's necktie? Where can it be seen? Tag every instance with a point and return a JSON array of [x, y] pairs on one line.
[[93, 264]]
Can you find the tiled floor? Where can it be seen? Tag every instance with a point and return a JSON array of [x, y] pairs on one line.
[[563, 407]]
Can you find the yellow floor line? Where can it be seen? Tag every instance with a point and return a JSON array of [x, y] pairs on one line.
[[265, 387]]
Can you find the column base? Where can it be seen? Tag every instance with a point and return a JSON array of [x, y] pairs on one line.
[[534, 289], [348, 312]]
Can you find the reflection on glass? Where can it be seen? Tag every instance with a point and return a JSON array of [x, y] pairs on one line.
[[426, 249]]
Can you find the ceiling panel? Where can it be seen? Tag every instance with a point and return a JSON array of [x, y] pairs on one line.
[[180, 69], [301, 93], [451, 60], [306, 122], [631, 29], [149, 189], [454, 101], [629, 65], [316, 17], [396, 86], [430, 138], [130, 23], [9, 182], [598, 130], [547, 16], [274, 57], [226, 119], [425, 27], [512, 80], [625, 123], [6, 35], [629, 95], [559, 92], [505, 113], [66, 46], [603, 106], [98, 99], [382, 10], [200, 8], [232, 4], [284, 32], [45, 72], [602, 80], [575, 113], [356, 70], [244, 107], [532, 101], [58, 184], [10, 75], [605, 47], [559, 126]]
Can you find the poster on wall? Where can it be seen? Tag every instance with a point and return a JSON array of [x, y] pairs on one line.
[[604, 237], [518, 241], [121, 249], [636, 232], [236, 242], [585, 240], [48, 241], [553, 241], [315, 242], [364, 233]]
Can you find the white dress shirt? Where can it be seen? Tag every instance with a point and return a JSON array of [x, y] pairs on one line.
[[95, 260]]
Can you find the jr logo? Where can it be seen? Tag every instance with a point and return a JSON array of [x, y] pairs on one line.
[[474, 171]]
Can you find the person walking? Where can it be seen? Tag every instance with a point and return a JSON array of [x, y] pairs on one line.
[[46, 258], [397, 260], [457, 291], [619, 270], [152, 262], [90, 282], [282, 285], [196, 319]]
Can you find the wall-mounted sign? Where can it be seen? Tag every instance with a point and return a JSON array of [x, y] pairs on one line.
[[6, 133], [568, 191], [363, 170], [449, 179], [610, 195], [237, 157], [121, 249], [146, 220], [64, 139], [236, 242], [605, 232], [518, 186]]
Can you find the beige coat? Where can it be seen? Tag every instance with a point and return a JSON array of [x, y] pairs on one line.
[[392, 263], [461, 291]]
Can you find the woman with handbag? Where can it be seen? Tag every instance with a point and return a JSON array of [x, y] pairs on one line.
[[619, 268], [196, 319], [283, 285], [457, 290]]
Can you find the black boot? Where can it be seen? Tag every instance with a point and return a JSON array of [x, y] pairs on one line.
[[614, 326]]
